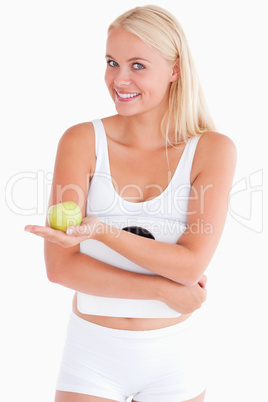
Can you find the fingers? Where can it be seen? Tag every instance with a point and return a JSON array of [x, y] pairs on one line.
[[55, 236], [38, 230], [45, 232], [29, 228], [203, 281], [81, 230], [84, 230]]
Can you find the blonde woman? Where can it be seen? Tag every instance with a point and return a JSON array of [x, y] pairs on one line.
[[152, 182]]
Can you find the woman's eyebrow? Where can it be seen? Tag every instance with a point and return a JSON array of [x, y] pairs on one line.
[[139, 58], [132, 59]]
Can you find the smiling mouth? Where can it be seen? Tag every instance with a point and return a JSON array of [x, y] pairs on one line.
[[126, 95]]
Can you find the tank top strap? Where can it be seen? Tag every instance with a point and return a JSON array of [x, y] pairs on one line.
[[189, 154], [101, 148]]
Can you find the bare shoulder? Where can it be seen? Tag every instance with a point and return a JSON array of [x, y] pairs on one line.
[[215, 146], [79, 134], [215, 152], [78, 145]]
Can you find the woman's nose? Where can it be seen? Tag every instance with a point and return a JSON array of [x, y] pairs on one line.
[[122, 78]]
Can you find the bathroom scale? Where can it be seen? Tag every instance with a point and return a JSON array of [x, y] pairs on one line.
[[156, 229]]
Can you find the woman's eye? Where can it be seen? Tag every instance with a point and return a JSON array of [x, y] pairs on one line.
[[112, 63], [138, 66]]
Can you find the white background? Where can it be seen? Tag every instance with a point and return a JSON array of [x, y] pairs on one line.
[[52, 71]]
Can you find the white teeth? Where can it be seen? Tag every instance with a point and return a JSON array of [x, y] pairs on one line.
[[124, 96]]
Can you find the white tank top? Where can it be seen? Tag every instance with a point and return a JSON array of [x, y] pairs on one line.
[[162, 218]]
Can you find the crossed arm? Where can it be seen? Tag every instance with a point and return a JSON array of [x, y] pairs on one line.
[[179, 267]]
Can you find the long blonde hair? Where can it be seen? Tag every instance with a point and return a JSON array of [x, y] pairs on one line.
[[162, 32]]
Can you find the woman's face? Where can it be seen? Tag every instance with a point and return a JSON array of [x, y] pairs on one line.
[[137, 77]]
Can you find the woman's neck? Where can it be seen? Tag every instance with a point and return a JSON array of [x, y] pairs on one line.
[[142, 131]]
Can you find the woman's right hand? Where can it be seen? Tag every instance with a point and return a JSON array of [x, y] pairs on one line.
[[184, 299]]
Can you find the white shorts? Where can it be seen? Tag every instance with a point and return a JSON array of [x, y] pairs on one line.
[[163, 365]]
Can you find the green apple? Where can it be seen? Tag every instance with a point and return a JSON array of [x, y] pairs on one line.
[[63, 215]]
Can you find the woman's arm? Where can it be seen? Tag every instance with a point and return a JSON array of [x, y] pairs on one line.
[[67, 266], [187, 260], [85, 274]]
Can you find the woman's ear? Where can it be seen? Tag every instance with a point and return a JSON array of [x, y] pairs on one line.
[[176, 71]]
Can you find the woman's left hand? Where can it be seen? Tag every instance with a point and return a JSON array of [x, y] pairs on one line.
[[74, 235]]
